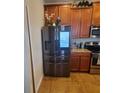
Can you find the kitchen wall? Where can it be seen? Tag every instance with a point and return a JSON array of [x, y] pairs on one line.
[[36, 21], [28, 83]]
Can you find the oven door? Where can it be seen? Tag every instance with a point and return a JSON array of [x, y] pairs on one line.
[[95, 60], [95, 64]]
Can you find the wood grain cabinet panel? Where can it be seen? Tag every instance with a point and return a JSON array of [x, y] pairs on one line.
[[74, 63], [64, 13], [96, 14], [80, 22], [84, 63], [86, 15], [80, 62], [75, 22], [79, 19]]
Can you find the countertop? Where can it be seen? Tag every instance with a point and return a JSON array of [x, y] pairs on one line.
[[80, 50]]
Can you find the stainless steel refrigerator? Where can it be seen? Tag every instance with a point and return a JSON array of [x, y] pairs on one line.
[[56, 50]]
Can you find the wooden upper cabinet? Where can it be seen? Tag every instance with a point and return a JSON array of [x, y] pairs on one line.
[[96, 14], [85, 22], [52, 9], [75, 22], [59, 10], [64, 13], [80, 22]]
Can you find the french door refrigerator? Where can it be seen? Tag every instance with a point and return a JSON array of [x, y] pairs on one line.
[[56, 50]]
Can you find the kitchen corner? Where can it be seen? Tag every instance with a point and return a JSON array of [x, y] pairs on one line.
[[86, 59]]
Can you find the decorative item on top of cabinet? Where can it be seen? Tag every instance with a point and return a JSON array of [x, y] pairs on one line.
[[51, 13], [82, 4], [96, 14], [55, 11]]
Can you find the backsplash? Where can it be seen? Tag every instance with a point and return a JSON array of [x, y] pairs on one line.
[[83, 40]]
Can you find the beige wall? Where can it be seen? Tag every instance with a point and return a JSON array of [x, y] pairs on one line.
[[28, 83], [36, 21]]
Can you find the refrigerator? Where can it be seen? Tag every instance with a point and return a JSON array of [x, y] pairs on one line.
[[56, 50]]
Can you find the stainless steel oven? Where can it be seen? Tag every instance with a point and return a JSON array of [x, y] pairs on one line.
[[95, 63], [95, 59]]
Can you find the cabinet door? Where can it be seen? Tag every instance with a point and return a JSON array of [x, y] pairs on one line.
[[85, 63], [75, 22], [52, 10], [64, 13], [96, 14], [85, 22], [75, 63]]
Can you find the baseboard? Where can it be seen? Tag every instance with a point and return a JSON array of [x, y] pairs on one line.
[[38, 86]]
